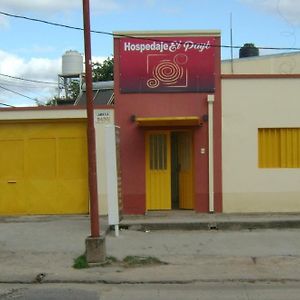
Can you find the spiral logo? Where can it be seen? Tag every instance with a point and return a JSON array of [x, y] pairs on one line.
[[153, 83], [167, 72]]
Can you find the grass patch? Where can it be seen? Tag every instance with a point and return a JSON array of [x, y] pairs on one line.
[[131, 261], [109, 261], [80, 262], [139, 261]]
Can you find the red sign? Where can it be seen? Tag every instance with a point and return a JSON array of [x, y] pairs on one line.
[[156, 65]]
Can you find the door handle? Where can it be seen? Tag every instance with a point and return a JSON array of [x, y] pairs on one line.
[[11, 181]]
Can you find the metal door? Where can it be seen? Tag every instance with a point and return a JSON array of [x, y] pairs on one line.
[[185, 162], [43, 167], [158, 171]]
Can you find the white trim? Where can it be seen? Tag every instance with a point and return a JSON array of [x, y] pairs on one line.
[[167, 33], [210, 100], [42, 114]]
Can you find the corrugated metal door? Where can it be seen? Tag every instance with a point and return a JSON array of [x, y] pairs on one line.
[[43, 168], [158, 170]]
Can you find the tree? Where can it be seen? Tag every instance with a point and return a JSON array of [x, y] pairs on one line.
[[74, 89], [248, 50], [104, 71]]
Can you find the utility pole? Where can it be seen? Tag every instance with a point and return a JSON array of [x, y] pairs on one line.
[[95, 244], [231, 44]]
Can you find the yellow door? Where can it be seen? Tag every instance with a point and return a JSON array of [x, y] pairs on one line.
[[43, 168], [158, 171], [186, 179], [12, 176]]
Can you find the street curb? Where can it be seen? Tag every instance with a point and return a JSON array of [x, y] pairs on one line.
[[221, 225], [133, 282]]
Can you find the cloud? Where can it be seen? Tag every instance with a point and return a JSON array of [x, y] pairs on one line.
[[105, 6], [42, 69], [36, 68], [99, 59], [289, 10], [4, 22], [36, 49], [56, 6]]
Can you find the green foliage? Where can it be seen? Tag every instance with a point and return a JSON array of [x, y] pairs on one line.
[[74, 89], [80, 262], [139, 261], [130, 261], [53, 101], [248, 50], [110, 261], [104, 71]]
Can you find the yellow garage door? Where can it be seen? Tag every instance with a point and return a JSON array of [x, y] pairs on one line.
[[43, 168]]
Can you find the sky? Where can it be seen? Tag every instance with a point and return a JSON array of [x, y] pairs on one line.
[[32, 50]]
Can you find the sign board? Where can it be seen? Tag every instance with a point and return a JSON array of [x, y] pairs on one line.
[[103, 116], [167, 64]]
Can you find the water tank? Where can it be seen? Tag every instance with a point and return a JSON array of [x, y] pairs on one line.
[[72, 63]]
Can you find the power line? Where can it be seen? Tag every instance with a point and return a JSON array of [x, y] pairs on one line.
[[17, 93], [25, 85], [29, 80], [133, 37], [5, 104], [39, 20]]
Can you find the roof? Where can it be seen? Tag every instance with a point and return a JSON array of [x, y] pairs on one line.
[[103, 93]]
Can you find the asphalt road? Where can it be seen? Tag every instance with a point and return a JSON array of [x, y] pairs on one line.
[[203, 291], [52, 292]]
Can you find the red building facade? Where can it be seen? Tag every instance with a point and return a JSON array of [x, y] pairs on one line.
[[163, 81]]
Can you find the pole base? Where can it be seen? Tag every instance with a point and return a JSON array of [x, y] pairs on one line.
[[95, 249]]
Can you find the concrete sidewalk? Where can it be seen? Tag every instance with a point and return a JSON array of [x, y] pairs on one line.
[[190, 220], [33, 245]]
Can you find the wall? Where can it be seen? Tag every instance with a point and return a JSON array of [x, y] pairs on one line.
[[287, 63], [100, 123], [133, 143], [249, 104], [132, 137]]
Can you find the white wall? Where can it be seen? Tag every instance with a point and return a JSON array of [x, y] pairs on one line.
[[288, 63], [249, 104]]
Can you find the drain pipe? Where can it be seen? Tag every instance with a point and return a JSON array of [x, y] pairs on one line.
[[210, 101]]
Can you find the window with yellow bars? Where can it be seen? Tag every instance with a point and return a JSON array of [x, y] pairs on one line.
[[279, 147], [158, 152]]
